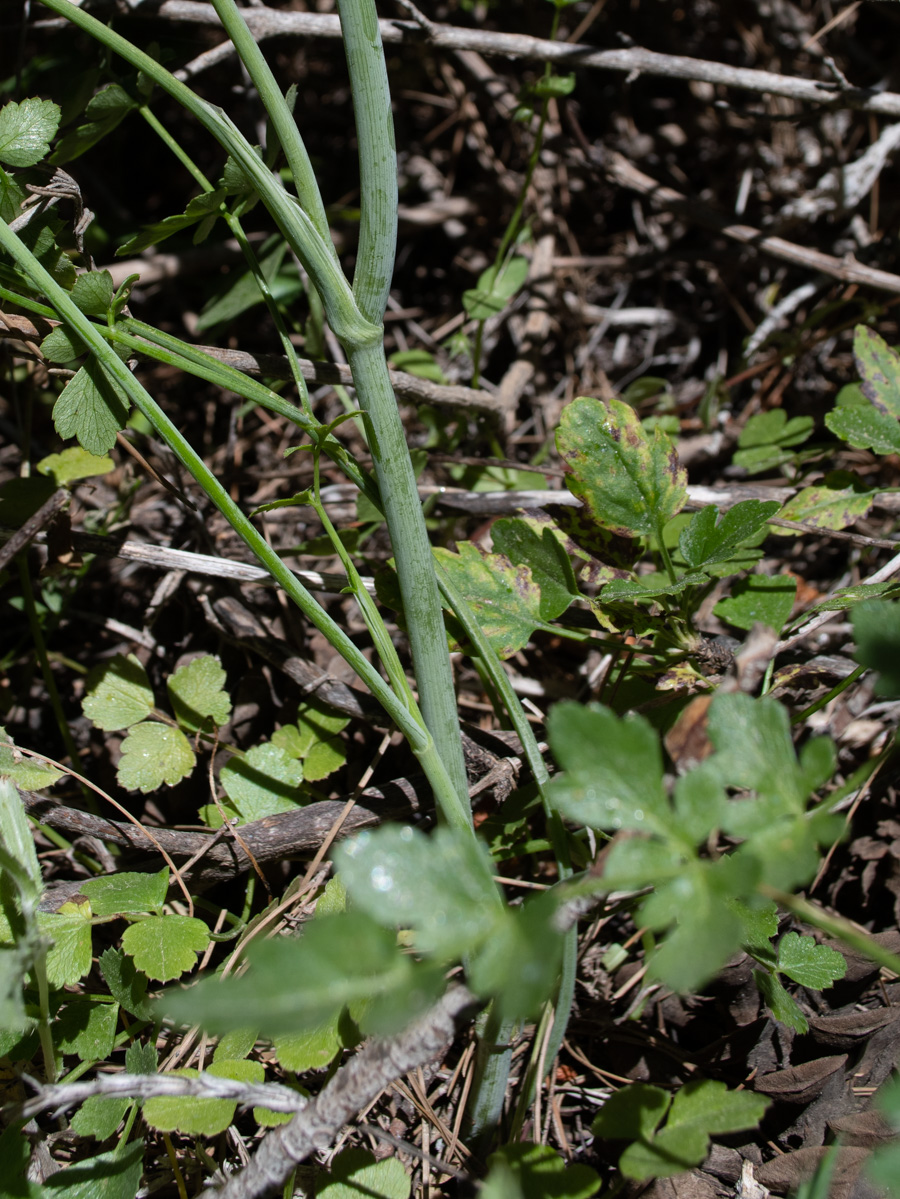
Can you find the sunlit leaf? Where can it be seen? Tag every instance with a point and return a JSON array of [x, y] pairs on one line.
[[118, 694], [164, 947], [197, 691], [504, 599], [153, 754], [26, 130]]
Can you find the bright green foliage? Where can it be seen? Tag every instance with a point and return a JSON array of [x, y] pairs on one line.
[[313, 738], [697, 1112], [323, 759], [264, 781], [115, 894], [26, 131], [298, 983], [16, 839], [495, 289], [504, 598], [127, 985], [243, 292], [164, 947], [767, 439], [70, 930], [93, 293], [91, 408], [630, 482], [118, 694], [876, 631], [72, 464], [838, 501], [113, 1175], [30, 774], [103, 113], [762, 599], [782, 1005], [542, 1174], [865, 428], [518, 964], [355, 1174], [545, 556], [710, 538], [808, 963], [153, 754], [200, 1117], [312, 1049], [61, 345], [501, 1182], [100, 1116], [440, 886], [86, 1028], [197, 691]]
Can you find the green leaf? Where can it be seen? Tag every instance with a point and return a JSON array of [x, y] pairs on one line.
[[876, 631], [86, 1028], [153, 754], [629, 481], [40, 236], [72, 464], [849, 597], [553, 86], [632, 1114], [299, 983], [504, 598], [70, 930], [759, 926], [542, 1173], [782, 1005], [127, 985], [103, 113], [755, 751], [865, 428], [879, 370], [710, 538], [613, 769], [773, 428], [197, 691], [637, 862], [164, 947], [495, 289], [11, 197], [114, 894], [192, 1116], [324, 758], [100, 1116], [205, 205], [263, 782], [440, 886], [840, 500], [355, 1174], [93, 293], [707, 931], [15, 833], [544, 555], [118, 694], [518, 964], [140, 1059], [114, 1175], [91, 408], [61, 345], [767, 599], [808, 963], [26, 131], [242, 293], [312, 1049], [647, 587]]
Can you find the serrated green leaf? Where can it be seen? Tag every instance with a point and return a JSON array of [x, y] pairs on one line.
[[312, 1049], [613, 769], [645, 587], [118, 694], [879, 369], [61, 345], [629, 481], [637, 862], [876, 631], [205, 205], [197, 691], [713, 538], [782, 1006], [40, 236], [113, 1175], [127, 985], [99, 1116], [192, 1116], [865, 428], [542, 1174], [808, 963], [758, 926], [103, 113], [93, 293], [70, 930], [74, 463], [838, 501], [495, 289], [26, 131], [632, 1114], [86, 1028], [140, 1059], [324, 758], [707, 932], [91, 408], [164, 947], [236, 1045], [544, 555], [763, 599], [263, 782], [355, 1174], [299, 983], [114, 894], [504, 599], [153, 754], [440, 886], [754, 750]]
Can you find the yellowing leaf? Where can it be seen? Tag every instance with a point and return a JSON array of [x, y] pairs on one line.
[[504, 598], [153, 754]]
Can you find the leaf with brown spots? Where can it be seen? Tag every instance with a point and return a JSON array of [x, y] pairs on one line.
[[839, 500], [879, 370], [628, 479], [505, 599]]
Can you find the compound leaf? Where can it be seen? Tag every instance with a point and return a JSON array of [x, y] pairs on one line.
[[103, 113], [164, 947], [713, 538], [26, 131], [153, 754], [265, 781], [118, 694], [808, 963], [629, 480], [91, 408], [632, 1114], [197, 691]]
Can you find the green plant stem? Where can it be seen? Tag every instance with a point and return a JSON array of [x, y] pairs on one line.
[[830, 695]]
